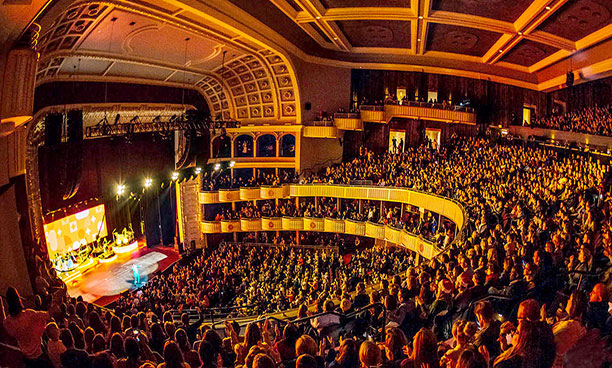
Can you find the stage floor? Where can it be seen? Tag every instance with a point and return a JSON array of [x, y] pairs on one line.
[[103, 284]]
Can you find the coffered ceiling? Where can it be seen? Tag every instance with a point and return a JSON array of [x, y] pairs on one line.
[[509, 41], [240, 53]]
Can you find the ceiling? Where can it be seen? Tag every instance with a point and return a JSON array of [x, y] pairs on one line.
[[239, 53], [162, 43], [510, 41]]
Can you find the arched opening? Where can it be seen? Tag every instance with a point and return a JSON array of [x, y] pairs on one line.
[[221, 146], [266, 146], [287, 146], [243, 146]]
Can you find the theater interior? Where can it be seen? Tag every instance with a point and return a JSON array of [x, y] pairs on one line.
[[306, 183]]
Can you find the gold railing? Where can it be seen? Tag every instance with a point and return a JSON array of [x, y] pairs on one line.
[[373, 230], [416, 110], [430, 202]]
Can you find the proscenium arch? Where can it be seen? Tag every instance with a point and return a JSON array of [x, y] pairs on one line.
[[275, 73]]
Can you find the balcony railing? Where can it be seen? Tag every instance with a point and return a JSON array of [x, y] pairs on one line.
[[446, 207]]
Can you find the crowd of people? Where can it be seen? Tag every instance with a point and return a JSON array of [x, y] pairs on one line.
[[591, 120], [215, 180], [527, 285]]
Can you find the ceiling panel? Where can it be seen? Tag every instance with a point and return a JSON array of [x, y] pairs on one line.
[[460, 40], [527, 53], [506, 10], [365, 3], [72, 65], [138, 71], [190, 78], [377, 33], [579, 18]]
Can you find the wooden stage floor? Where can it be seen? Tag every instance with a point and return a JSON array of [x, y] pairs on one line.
[[104, 283]]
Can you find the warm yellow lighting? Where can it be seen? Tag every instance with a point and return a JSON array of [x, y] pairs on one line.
[[126, 249]]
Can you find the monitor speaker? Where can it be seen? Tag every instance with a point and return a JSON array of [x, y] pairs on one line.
[[74, 123], [53, 129], [307, 106]]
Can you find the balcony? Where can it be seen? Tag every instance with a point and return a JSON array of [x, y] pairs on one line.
[[430, 202], [420, 111], [374, 230]]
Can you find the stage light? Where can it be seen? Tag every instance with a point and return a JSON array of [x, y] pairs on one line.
[[175, 175], [148, 182], [120, 189], [217, 166], [198, 170], [232, 163]]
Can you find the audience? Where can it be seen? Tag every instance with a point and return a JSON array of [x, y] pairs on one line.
[[538, 236]]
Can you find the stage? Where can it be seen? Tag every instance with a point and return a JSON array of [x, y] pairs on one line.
[[104, 283]]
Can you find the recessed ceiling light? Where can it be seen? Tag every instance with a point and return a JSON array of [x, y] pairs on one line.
[[418, 40], [548, 8], [501, 50], [520, 33], [420, 17], [318, 17]]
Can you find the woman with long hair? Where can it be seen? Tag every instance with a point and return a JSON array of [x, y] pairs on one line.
[[424, 351], [348, 355], [369, 354], [523, 341], [173, 358]]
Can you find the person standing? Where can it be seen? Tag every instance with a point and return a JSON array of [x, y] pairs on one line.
[[27, 327]]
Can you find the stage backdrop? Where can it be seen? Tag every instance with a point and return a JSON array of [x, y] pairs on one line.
[[72, 231]]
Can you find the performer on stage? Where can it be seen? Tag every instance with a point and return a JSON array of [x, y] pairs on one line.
[[136, 274]]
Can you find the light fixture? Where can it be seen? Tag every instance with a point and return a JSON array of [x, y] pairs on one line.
[[148, 182], [520, 33], [198, 170], [175, 175], [547, 7], [335, 38], [501, 50], [120, 189], [318, 17], [420, 17], [217, 166], [232, 163], [418, 40]]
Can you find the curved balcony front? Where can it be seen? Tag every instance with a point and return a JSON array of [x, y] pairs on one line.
[[273, 192], [293, 223], [348, 122], [249, 194], [229, 195], [331, 225], [228, 226], [418, 110], [314, 224], [271, 223], [209, 197], [211, 227], [373, 230], [313, 131], [250, 224], [430, 202], [354, 227]]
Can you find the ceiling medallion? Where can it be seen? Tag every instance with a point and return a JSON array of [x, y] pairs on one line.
[[459, 40]]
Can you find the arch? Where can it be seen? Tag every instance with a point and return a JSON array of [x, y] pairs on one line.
[[221, 146], [287, 145], [266, 145], [243, 146]]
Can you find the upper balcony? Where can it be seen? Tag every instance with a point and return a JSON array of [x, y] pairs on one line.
[[411, 110]]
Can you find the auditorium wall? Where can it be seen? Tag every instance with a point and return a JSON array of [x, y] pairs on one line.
[[318, 153], [326, 88], [496, 103]]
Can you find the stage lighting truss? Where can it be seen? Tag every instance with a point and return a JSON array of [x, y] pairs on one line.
[[191, 123]]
